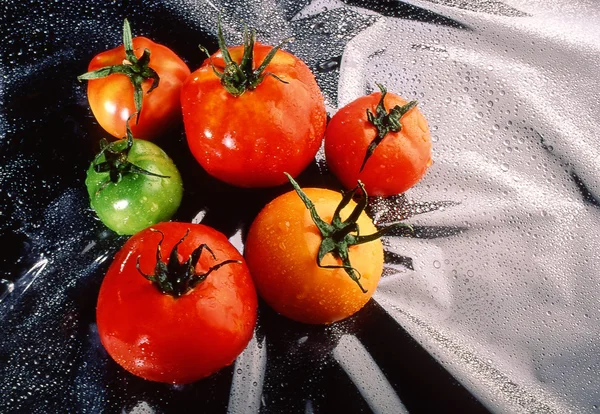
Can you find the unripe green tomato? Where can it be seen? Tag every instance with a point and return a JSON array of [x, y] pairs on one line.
[[137, 200]]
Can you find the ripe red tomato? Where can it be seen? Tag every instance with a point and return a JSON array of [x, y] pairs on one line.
[[179, 336], [285, 242], [111, 95], [401, 144], [246, 127]]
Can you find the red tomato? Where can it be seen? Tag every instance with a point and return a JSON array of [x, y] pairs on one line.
[[397, 163], [249, 140], [161, 337], [282, 250], [111, 98]]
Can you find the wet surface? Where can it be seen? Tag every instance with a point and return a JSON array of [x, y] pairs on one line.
[[491, 301]]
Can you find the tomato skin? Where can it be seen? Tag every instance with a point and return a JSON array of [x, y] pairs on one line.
[[281, 252], [137, 201], [111, 98], [398, 162], [252, 139], [176, 340]]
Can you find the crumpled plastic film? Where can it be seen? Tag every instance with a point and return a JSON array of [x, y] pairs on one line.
[[507, 301]]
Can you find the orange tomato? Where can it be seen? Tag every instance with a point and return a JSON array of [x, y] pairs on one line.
[[281, 252], [111, 98]]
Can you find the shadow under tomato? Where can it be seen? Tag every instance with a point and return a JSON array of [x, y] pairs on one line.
[[303, 371]]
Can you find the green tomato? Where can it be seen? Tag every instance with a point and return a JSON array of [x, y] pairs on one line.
[[134, 200]]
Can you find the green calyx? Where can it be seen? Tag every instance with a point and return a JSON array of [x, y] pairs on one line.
[[175, 278], [137, 70], [339, 235], [235, 77], [385, 121], [116, 162]]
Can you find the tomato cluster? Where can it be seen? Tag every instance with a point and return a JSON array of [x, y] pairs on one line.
[[179, 302]]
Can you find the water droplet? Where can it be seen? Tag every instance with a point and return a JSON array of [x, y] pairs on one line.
[[504, 167], [436, 264]]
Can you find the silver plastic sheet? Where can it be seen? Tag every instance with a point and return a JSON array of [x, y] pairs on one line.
[[509, 303], [499, 283]]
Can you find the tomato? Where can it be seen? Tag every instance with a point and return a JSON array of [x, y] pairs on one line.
[[181, 335], [133, 184], [139, 76], [310, 264], [248, 125], [400, 142]]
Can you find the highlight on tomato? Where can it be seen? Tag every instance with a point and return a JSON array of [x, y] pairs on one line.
[[177, 303], [388, 151], [314, 254], [132, 184], [141, 77], [252, 112]]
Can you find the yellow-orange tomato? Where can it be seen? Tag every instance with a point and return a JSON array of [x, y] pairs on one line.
[[281, 252]]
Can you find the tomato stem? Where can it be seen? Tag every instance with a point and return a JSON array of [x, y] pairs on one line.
[[175, 278], [116, 162], [137, 70], [235, 77], [385, 121], [339, 235]]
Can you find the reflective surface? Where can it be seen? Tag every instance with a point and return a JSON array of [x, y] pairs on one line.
[[492, 305]]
